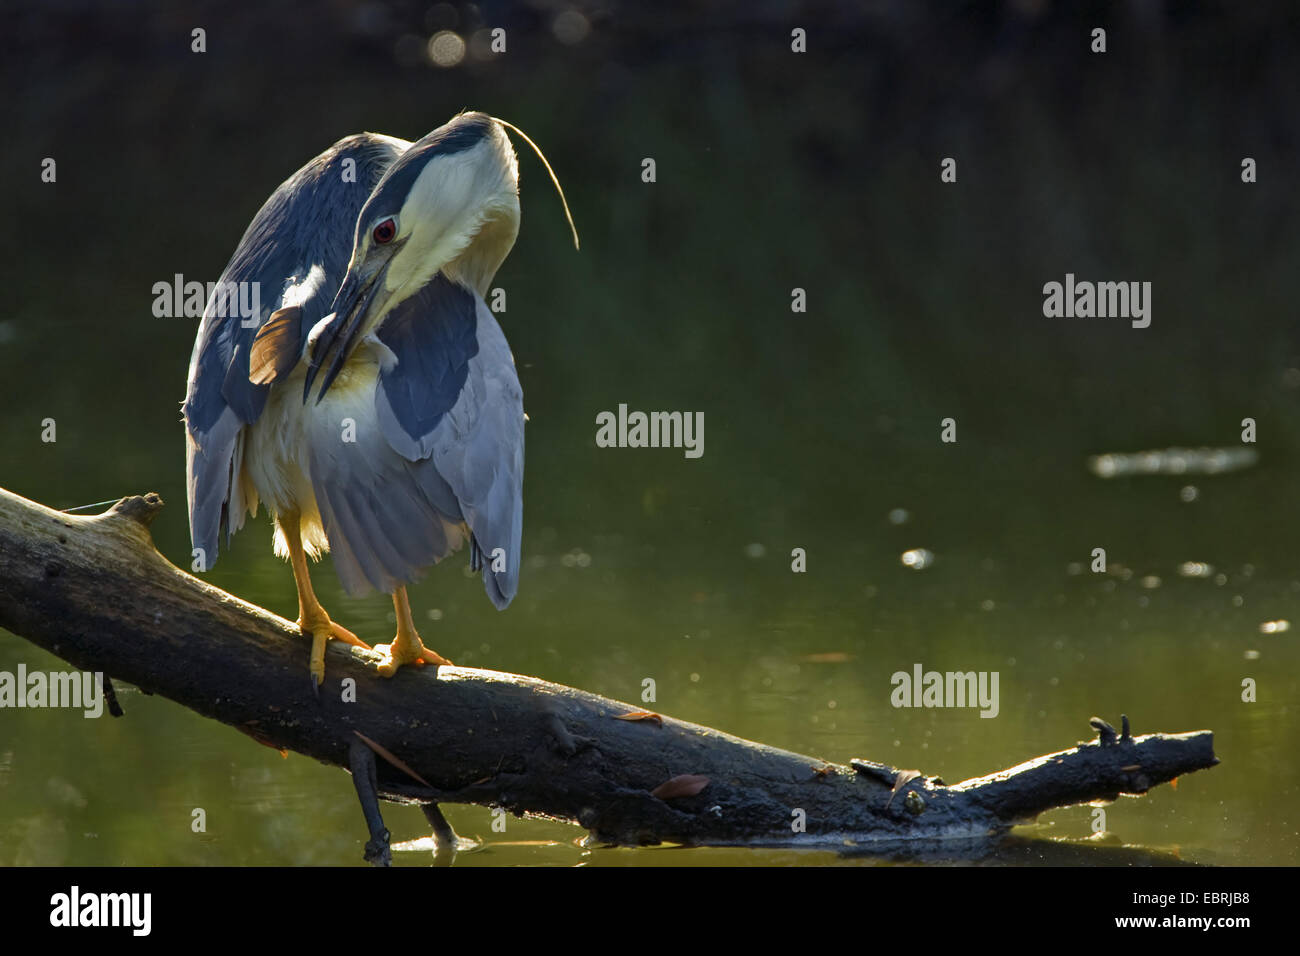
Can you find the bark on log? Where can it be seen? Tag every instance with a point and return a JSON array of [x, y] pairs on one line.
[[95, 592]]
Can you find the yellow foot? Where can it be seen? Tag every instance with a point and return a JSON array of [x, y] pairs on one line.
[[321, 630], [406, 650]]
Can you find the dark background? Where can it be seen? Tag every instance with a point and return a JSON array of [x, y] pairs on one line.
[[775, 170]]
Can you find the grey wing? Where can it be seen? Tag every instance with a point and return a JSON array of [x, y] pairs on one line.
[[478, 450], [294, 252], [445, 455], [386, 518]]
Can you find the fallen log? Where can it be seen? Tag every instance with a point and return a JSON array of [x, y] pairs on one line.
[[95, 592]]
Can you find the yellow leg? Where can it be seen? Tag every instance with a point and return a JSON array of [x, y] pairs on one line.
[[312, 618], [407, 648]]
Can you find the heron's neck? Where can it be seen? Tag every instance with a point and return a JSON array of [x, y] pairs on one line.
[[476, 266]]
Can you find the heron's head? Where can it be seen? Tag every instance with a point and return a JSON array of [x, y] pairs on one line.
[[449, 204]]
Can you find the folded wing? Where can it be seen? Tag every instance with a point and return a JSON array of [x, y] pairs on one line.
[[296, 251]]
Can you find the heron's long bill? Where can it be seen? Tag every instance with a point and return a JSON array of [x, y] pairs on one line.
[[339, 337]]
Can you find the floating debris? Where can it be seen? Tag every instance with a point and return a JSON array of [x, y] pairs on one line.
[[899, 516], [1275, 627], [827, 657], [1195, 569], [918, 559], [1173, 461]]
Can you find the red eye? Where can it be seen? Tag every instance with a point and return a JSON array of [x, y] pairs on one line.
[[385, 231]]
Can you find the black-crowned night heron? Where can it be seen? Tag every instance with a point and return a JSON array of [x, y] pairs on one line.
[[372, 403]]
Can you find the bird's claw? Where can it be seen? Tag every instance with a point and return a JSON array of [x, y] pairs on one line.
[[317, 666], [399, 652], [320, 629]]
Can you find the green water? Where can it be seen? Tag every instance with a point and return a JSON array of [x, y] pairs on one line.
[[924, 303]]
